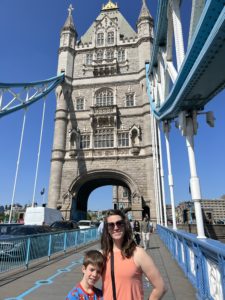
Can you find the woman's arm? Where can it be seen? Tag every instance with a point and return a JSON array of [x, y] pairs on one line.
[[145, 262]]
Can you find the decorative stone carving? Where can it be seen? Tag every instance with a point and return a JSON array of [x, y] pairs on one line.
[[74, 138], [135, 150], [136, 198], [135, 137]]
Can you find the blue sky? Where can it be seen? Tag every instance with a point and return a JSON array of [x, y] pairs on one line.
[[29, 34]]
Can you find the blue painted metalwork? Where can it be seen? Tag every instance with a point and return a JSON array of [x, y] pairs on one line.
[[18, 252], [202, 260], [49, 246], [40, 90], [207, 39]]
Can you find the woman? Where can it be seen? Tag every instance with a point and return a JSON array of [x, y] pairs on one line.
[[130, 262], [136, 231]]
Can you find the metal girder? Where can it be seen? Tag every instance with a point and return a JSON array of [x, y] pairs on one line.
[[15, 96], [201, 74]]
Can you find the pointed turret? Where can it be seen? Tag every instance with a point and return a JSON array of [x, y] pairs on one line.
[[68, 40], [145, 21], [144, 13], [69, 24], [145, 33]]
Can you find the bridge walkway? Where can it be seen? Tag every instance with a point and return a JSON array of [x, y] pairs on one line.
[[52, 280]]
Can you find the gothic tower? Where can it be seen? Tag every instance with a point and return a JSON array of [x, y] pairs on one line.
[[102, 124]]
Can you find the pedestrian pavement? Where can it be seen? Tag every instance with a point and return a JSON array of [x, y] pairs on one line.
[[54, 279]]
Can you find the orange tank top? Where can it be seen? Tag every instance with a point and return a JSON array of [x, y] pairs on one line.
[[128, 279]]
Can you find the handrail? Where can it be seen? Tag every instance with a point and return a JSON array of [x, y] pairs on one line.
[[202, 260], [20, 252]]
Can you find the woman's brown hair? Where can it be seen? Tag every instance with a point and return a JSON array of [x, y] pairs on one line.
[[128, 244]]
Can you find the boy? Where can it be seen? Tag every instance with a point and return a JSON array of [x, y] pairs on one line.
[[93, 266]]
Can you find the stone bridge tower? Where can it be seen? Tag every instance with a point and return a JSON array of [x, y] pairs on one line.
[[102, 123]]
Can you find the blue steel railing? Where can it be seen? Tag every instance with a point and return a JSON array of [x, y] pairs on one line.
[[19, 252], [202, 260]]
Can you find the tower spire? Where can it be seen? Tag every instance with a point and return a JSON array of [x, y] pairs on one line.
[[144, 13], [70, 9], [69, 21]]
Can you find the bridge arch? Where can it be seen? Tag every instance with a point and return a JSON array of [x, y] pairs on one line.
[[81, 188]]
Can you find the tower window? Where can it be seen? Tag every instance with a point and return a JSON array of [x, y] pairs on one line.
[[121, 55], [104, 98], [100, 38], [80, 104], [129, 100], [84, 141], [123, 139], [89, 57], [110, 37], [104, 138], [99, 55], [109, 54]]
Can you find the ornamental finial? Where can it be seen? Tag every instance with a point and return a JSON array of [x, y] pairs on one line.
[[109, 5], [70, 9]]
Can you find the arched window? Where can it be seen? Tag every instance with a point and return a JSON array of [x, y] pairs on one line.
[[100, 38], [104, 98]]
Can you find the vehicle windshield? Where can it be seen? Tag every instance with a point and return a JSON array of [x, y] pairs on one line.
[[84, 223], [7, 229], [22, 230], [62, 225]]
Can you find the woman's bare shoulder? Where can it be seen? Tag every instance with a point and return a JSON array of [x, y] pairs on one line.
[[139, 255], [139, 251]]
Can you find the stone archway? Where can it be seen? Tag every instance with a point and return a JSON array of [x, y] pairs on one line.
[[81, 188]]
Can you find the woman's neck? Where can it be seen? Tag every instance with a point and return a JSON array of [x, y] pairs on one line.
[[117, 246]]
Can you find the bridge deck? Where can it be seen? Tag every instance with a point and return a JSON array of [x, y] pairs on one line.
[[53, 280]]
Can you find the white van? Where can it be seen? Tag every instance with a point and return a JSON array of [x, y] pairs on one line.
[[41, 215], [85, 224]]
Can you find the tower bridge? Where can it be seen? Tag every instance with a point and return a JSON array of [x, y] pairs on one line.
[[118, 91], [102, 126]]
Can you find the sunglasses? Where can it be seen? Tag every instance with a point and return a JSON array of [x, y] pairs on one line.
[[118, 224]]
